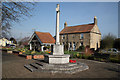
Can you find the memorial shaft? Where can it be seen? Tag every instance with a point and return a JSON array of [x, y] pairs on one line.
[[57, 24]]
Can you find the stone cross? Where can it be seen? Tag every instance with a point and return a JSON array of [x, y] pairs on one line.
[[57, 24], [58, 56]]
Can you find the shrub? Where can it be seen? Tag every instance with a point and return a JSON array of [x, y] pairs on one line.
[[73, 54], [66, 52], [47, 52], [91, 57], [85, 56], [33, 52], [115, 60], [98, 59], [81, 48], [79, 55], [28, 52], [10, 48]]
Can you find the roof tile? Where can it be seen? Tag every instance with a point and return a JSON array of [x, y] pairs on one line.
[[78, 28], [45, 37]]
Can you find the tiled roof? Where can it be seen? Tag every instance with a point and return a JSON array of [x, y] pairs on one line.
[[45, 37], [78, 28]]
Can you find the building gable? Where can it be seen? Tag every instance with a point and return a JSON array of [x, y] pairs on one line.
[[34, 35], [43, 37], [95, 29]]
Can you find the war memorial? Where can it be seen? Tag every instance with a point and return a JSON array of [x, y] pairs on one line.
[[57, 62]]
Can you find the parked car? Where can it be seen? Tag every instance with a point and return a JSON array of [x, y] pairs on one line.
[[103, 51], [113, 50]]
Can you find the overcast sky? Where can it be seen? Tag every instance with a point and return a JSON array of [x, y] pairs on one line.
[[77, 13]]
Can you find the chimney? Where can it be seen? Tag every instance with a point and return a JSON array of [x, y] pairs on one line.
[[95, 20], [65, 24]]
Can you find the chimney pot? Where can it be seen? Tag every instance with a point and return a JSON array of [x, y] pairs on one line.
[[65, 24], [95, 20]]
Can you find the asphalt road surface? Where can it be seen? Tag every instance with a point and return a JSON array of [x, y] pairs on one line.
[[13, 67]]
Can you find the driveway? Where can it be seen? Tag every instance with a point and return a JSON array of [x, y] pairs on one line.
[[13, 67]]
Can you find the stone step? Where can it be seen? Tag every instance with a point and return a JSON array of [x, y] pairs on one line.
[[30, 68], [58, 67], [79, 69], [50, 68], [39, 63], [65, 65], [36, 65], [63, 68], [63, 71]]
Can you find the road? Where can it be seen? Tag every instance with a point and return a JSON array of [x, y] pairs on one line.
[[13, 67]]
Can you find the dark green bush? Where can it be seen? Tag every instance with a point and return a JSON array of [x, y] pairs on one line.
[[79, 55], [72, 54], [91, 57], [81, 48], [66, 52], [115, 60]]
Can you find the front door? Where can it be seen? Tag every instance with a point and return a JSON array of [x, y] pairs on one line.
[[74, 46]]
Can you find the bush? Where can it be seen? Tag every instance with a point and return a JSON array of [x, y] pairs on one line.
[[28, 52], [108, 41], [115, 60], [33, 52], [10, 48], [73, 54], [91, 57], [98, 59], [37, 53], [66, 52], [84, 56], [81, 48], [79, 55]]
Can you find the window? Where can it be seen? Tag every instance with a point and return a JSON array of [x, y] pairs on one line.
[[63, 37], [70, 45], [81, 36], [63, 43], [74, 45], [81, 44], [73, 36]]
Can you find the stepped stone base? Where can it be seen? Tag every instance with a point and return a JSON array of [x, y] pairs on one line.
[[58, 56], [69, 68], [56, 59]]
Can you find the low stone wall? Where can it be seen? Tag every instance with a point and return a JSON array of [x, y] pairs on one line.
[[10, 52], [20, 53], [4, 49], [28, 56], [38, 56]]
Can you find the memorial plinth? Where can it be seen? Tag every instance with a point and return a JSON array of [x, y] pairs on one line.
[[58, 56], [57, 59]]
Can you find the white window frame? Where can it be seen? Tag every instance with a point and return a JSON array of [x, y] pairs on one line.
[[81, 43], [81, 36], [63, 37]]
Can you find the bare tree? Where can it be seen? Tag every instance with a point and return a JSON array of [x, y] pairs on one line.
[[14, 12], [108, 41]]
